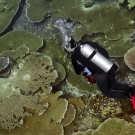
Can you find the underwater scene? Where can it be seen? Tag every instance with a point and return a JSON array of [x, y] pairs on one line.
[[41, 93]]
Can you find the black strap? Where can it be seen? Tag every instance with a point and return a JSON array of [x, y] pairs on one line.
[[92, 55]]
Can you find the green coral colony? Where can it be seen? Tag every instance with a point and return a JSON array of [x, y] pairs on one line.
[[39, 92]]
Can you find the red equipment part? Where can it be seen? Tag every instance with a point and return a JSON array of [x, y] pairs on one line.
[[133, 101], [90, 78]]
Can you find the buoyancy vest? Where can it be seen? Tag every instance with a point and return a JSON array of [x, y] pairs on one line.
[[94, 57]]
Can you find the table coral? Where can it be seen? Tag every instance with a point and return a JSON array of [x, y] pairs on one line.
[[69, 116], [115, 126], [45, 123], [20, 52], [13, 109], [14, 39], [42, 28], [8, 10], [80, 13], [52, 99], [23, 79], [61, 72], [43, 75]]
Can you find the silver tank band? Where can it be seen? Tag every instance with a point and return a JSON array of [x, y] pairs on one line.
[[97, 58]]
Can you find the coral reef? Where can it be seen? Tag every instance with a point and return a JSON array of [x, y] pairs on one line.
[[13, 55], [132, 36], [4, 62], [83, 14], [57, 115], [130, 79], [43, 75], [131, 3], [13, 112], [115, 126], [42, 28], [8, 10], [88, 132], [129, 58], [116, 42], [60, 71], [14, 39], [34, 13], [30, 100], [104, 107], [55, 50], [112, 126]]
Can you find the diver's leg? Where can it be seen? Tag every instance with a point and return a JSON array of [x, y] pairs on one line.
[[116, 85], [102, 81]]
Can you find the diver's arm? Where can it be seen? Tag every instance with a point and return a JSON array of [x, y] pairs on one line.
[[78, 68]]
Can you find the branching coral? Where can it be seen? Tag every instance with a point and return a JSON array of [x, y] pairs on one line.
[[105, 107], [129, 58]]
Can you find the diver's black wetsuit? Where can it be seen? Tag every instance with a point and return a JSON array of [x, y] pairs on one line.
[[106, 82]]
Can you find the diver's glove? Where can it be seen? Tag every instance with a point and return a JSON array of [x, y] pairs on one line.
[[87, 74], [91, 79]]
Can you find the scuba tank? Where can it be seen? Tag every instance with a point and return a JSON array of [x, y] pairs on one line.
[[98, 59]]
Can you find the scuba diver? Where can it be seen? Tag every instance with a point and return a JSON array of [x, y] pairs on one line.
[[93, 60]]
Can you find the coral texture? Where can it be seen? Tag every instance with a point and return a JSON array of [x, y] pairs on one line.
[[80, 13], [61, 72], [43, 75], [105, 107], [42, 28], [14, 39], [115, 126], [49, 121], [4, 62], [131, 3], [13, 55], [129, 58], [13, 109], [8, 10]]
